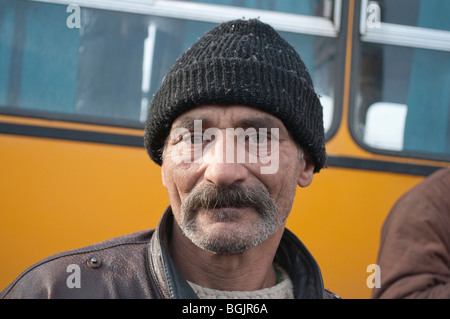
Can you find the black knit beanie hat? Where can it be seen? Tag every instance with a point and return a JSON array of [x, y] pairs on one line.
[[243, 62]]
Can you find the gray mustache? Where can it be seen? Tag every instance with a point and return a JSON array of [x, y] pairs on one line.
[[235, 195]]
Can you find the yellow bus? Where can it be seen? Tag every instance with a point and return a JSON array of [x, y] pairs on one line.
[[76, 79]]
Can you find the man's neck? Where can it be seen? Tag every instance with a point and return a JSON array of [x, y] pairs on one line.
[[247, 271]]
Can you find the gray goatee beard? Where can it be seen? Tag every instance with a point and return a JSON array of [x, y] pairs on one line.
[[212, 197]]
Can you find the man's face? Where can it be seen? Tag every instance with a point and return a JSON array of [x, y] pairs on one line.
[[231, 173]]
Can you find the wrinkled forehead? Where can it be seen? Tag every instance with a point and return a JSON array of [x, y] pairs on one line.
[[230, 116]]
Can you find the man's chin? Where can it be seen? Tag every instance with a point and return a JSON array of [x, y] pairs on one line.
[[226, 237], [225, 245]]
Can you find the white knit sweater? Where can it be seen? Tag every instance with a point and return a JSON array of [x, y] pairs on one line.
[[283, 290]]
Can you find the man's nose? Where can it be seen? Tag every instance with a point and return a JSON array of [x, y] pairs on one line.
[[221, 169]]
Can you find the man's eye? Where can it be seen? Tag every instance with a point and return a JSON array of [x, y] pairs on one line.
[[258, 138], [196, 139]]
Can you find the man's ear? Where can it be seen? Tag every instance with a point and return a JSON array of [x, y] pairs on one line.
[[305, 176], [162, 161], [162, 177]]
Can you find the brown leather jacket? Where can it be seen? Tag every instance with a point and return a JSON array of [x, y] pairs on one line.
[[139, 266], [414, 255]]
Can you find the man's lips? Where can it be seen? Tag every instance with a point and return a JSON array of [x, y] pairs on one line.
[[226, 213]]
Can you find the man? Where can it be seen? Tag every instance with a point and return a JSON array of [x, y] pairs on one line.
[[236, 126]]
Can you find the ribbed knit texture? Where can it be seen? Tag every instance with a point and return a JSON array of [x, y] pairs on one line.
[[242, 62], [283, 290]]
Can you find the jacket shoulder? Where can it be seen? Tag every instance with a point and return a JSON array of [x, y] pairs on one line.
[[89, 272]]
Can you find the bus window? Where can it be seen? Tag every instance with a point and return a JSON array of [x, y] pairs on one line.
[[403, 99], [107, 70], [416, 13]]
